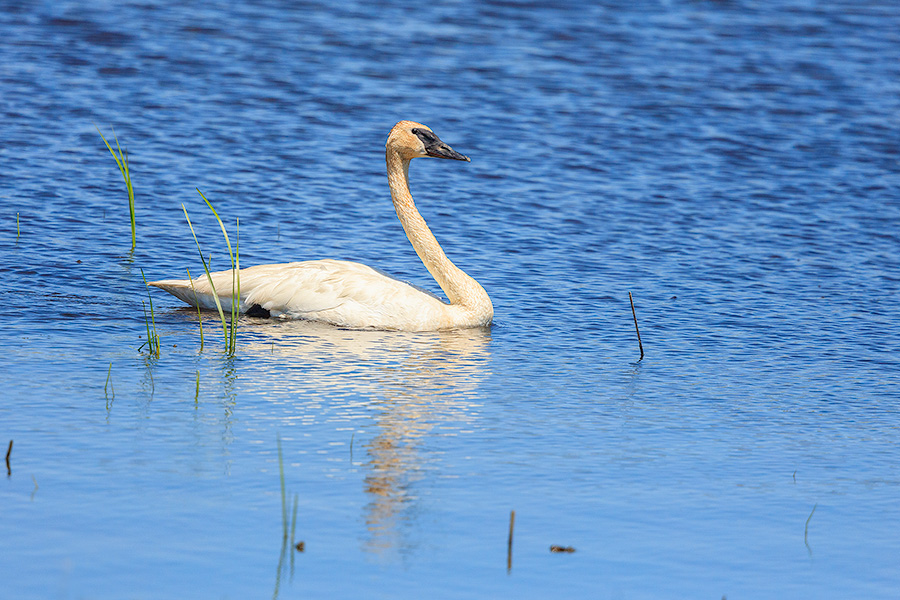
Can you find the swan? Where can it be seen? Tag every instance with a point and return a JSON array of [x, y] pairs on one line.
[[353, 295]]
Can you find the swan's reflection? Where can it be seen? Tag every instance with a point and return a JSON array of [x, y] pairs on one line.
[[411, 382]]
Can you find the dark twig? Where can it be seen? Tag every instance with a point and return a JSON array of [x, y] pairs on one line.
[[638, 331], [8, 452], [512, 522]]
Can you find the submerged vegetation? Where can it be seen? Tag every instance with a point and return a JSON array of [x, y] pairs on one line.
[[122, 161], [229, 326]]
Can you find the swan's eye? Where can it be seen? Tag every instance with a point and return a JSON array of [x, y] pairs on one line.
[[426, 136]]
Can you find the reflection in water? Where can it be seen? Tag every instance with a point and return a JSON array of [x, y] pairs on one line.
[[412, 382], [806, 530], [229, 399]]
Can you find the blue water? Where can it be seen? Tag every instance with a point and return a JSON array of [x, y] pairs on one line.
[[734, 165]]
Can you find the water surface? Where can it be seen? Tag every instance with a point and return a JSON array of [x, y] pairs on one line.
[[732, 164]]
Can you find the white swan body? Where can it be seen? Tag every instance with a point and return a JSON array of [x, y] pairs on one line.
[[354, 295]]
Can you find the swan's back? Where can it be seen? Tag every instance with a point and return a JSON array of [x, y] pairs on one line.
[[343, 293]]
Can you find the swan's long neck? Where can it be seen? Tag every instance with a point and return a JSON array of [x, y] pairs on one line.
[[459, 287]]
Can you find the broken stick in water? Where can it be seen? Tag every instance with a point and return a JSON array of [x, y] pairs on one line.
[[633, 314]]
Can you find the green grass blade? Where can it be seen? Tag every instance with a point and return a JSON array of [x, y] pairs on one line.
[[127, 175], [221, 225], [107, 385], [147, 323], [208, 276], [199, 313], [111, 151], [154, 347], [122, 161], [235, 279], [236, 285]]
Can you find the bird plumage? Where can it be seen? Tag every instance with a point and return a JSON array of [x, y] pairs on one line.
[[354, 295]]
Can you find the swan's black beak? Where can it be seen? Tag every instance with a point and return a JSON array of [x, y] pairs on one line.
[[442, 150], [436, 148]]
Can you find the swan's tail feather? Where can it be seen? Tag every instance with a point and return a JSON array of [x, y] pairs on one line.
[[181, 289], [199, 292]]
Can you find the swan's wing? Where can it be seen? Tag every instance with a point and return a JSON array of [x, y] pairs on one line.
[[340, 292], [311, 286]]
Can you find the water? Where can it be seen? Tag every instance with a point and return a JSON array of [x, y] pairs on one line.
[[732, 164]]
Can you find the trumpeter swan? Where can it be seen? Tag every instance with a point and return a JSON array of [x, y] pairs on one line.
[[350, 294]]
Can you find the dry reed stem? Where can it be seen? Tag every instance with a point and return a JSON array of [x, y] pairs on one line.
[[638, 331]]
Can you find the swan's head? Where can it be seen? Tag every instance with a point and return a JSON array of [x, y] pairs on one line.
[[412, 140]]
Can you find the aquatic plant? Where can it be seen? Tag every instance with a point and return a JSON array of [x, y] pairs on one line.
[[284, 519], [199, 318], [122, 161], [299, 546], [229, 331], [806, 529], [108, 387], [108, 383], [294, 518], [152, 342]]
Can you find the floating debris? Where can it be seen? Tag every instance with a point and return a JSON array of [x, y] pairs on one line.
[[568, 549]]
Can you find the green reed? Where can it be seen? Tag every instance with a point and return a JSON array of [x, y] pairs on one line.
[[294, 518], [287, 543], [230, 332], [108, 385], [122, 161], [152, 336], [199, 314]]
